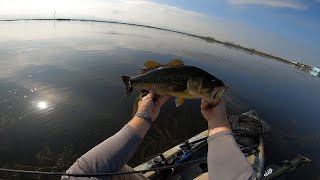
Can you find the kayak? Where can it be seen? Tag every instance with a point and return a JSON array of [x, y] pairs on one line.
[[187, 160], [196, 148]]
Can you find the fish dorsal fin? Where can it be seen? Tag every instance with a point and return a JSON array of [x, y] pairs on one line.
[[152, 64], [179, 101], [175, 62]]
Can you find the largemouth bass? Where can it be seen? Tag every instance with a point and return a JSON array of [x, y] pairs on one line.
[[178, 80]]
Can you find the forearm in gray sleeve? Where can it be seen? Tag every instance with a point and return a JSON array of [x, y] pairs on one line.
[[225, 159], [110, 155]]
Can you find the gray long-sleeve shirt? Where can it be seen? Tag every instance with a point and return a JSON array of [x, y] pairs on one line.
[[225, 159]]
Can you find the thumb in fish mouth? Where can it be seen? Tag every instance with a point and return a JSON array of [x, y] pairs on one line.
[[205, 104], [209, 104], [212, 102]]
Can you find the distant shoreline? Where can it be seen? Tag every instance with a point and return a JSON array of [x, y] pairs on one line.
[[205, 38]]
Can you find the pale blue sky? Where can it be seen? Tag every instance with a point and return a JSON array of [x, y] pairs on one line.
[[286, 28], [291, 19]]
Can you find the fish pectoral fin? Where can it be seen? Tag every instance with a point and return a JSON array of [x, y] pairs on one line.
[[152, 64], [175, 62], [179, 101]]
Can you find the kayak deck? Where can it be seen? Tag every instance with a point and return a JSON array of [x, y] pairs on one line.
[[199, 149]]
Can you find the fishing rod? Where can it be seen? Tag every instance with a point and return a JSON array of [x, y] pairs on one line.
[[271, 173], [201, 160], [180, 164]]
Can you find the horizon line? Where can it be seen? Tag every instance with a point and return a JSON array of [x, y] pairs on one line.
[[205, 38]]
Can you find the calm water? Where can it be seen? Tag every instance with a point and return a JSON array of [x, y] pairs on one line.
[[61, 93]]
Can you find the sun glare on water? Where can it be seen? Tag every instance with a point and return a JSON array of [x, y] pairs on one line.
[[42, 105]]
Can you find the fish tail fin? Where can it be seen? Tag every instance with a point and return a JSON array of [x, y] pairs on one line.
[[126, 81]]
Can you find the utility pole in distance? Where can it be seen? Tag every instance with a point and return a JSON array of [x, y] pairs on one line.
[[54, 20]]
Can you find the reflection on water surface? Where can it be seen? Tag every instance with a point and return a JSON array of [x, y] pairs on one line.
[[61, 92]]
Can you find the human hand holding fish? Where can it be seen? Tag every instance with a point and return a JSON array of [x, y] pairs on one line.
[[151, 104], [216, 116]]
